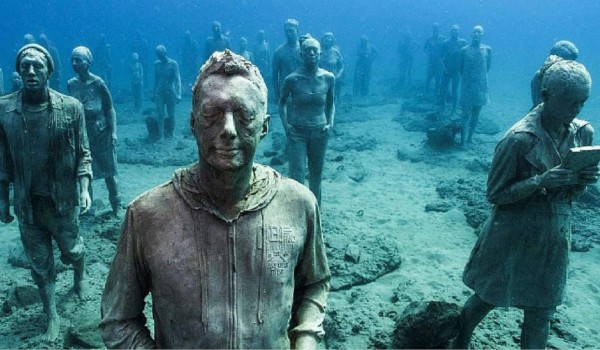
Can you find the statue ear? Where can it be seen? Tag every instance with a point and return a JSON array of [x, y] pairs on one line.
[[545, 94], [265, 127], [192, 121]]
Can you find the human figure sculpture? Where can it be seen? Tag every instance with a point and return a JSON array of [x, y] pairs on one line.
[[475, 62], [136, 76], [243, 50], [217, 42], [103, 57], [521, 256], [450, 51], [190, 60], [407, 48], [286, 58], [309, 121], [100, 121], [563, 49], [331, 60], [16, 82], [262, 55], [56, 77], [435, 64], [50, 175], [141, 47], [366, 54], [167, 92], [28, 38], [241, 239]]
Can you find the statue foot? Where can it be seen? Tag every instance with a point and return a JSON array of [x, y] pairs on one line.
[[53, 328]]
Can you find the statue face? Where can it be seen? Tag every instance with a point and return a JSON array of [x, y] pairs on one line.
[[33, 69], [565, 105], [291, 33], [310, 52], [229, 121], [327, 41], [80, 64], [477, 33]]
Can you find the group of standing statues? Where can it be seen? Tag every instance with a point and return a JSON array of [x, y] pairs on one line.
[[231, 251]]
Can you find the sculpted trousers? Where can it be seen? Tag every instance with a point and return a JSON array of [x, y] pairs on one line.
[[37, 239], [307, 145]]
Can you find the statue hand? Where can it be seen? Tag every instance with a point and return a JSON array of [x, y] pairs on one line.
[[85, 201], [589, 175]]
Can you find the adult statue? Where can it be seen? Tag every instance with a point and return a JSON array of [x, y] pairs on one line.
[[450, 51], [167, 93], [231, 252], [286, 58], [522, 254], [561, 49], [100, 121], [435, 64], [309, 121], [366, 55], [475, 62], [332, 60], [44, 153], [217, 42]]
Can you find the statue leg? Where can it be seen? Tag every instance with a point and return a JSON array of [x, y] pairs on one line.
[[471, 315], [536, 327]]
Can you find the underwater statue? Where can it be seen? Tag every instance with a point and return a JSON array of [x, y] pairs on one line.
[[475, 63], [286, 58], [563, 49], [100, 122], [522, 254], [331, 60], [217, 42], [230, 251], [167, 93], [435, 64], [50, 176], [450, 50], [308, 118], [365, 56]]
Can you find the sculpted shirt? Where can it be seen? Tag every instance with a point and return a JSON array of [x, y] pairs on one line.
[[69, 156], [522, 253], [252, 282]]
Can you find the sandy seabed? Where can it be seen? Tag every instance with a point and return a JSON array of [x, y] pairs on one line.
[[373, 200]]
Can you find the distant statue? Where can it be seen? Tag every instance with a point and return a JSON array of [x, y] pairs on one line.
[[475, 62], [262, 55], [407, 48], [190, 61], [435, 64], [136, 77], [521, 257], [100, 121], [16, 82], [28, 38], [366, 54], [286, 58], [103, 60], [141, 47], [56, 78], [167, 92], [217, 42], [308, 119], [563, 49], [450, 51], [243, 49], [331, 60]]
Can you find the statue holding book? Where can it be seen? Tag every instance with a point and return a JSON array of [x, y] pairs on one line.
[[522, 253]]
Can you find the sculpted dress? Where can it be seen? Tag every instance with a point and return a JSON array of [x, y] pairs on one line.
[[96, 100], [522, 253]]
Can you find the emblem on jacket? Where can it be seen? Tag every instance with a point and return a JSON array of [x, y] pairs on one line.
[[280, 247]]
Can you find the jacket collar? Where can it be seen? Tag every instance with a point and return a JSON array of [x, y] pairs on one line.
[[16, 104]]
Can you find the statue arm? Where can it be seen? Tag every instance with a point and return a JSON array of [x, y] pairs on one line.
[[177, 81], [312, 288], [123, 324], [282, 104], [329, 101]]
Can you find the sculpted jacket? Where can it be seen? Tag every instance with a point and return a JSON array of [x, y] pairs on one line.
[[69, 157], [253, 282], [521, 256]]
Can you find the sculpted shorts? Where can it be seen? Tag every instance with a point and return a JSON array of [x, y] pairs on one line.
[[37, 239]]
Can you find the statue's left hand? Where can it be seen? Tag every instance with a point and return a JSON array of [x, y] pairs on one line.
[[85, 202]]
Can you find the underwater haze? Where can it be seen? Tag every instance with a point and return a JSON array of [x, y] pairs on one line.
[[400, 213]]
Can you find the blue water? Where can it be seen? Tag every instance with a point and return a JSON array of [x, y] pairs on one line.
[[520, 32]]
